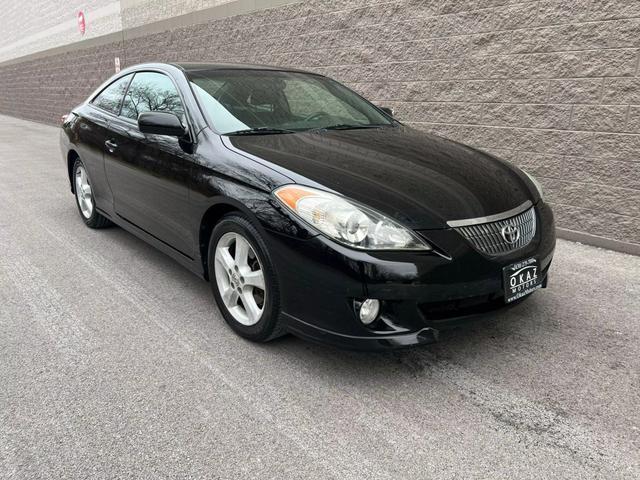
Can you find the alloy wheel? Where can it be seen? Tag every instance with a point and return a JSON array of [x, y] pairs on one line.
[[240, 278], [83, 192]]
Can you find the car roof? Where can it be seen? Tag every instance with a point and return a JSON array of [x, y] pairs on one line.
[[190, 67]]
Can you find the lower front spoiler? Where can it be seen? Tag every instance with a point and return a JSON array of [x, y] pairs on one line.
[[373, 342], [383, 341]]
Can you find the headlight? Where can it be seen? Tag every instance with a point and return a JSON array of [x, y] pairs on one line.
[[347, 222], [536, 183]]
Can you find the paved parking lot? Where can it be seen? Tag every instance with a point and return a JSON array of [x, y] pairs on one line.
[[114, 362]]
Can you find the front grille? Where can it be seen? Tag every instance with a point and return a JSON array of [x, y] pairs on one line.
[[487, 237]]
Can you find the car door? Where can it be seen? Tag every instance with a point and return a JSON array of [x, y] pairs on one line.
[[93, 130], [149, 174]]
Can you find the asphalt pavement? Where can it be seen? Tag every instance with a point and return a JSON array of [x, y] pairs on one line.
[[115, 363]]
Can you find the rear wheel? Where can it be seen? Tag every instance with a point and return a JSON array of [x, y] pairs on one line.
[[84, 198], [243, 279]]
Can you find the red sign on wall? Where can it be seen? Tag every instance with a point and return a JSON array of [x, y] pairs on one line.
[[82, 25]]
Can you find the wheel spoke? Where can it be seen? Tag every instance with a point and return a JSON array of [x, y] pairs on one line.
[[239, 313], [254, 279], [224, 259], [78, 183], [242, 251], [230, 297], [250, 305]]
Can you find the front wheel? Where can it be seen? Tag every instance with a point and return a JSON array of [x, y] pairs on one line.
[[84, 198], [243, 279]]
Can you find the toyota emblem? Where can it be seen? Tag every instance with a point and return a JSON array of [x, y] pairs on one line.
[[510, 233]]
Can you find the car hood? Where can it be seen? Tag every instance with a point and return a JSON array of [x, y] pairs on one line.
[[419, 179]]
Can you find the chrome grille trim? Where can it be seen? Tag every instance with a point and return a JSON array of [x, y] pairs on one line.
[[491, 218], [487, 238]]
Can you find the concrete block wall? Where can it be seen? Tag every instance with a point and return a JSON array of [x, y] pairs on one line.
[[32, 26], [142, 12], [551, 85]]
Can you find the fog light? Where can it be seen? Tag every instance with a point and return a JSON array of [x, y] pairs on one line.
[[369, 310]]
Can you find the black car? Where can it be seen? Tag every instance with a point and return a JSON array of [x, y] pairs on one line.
[[309, 209]]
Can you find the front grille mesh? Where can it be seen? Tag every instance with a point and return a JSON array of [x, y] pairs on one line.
[[487, 237]]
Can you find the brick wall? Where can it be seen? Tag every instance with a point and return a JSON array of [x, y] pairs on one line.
[[550, 85]]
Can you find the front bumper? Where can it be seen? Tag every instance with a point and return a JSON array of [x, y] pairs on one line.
[[421, 293]]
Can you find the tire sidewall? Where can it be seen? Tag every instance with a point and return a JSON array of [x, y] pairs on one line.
[[264, 329]]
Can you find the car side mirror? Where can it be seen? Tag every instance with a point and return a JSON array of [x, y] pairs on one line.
[[161, 123], [387, 110]]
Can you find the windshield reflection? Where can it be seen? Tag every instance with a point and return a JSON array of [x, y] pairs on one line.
[[271, 102]]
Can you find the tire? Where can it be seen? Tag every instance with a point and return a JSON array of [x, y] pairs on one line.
[[241, 284], [84, 198]]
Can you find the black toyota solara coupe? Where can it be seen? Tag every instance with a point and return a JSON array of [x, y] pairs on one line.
[[307, 208]]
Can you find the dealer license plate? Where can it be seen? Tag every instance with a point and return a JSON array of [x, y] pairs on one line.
[[520, 279]]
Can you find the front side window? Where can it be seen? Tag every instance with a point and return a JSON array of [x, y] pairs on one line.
[[111, 97], [237, 100], [151, 92]]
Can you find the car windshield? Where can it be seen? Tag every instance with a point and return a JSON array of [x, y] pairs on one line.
[[271, 102]]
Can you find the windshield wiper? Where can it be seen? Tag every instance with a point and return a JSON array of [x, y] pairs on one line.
[[261, 131], [348, 126]]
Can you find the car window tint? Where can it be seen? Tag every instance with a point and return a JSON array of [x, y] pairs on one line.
[[111, 97], [151, 92]]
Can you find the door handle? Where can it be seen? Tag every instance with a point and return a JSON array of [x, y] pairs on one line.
[[111, 145]]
